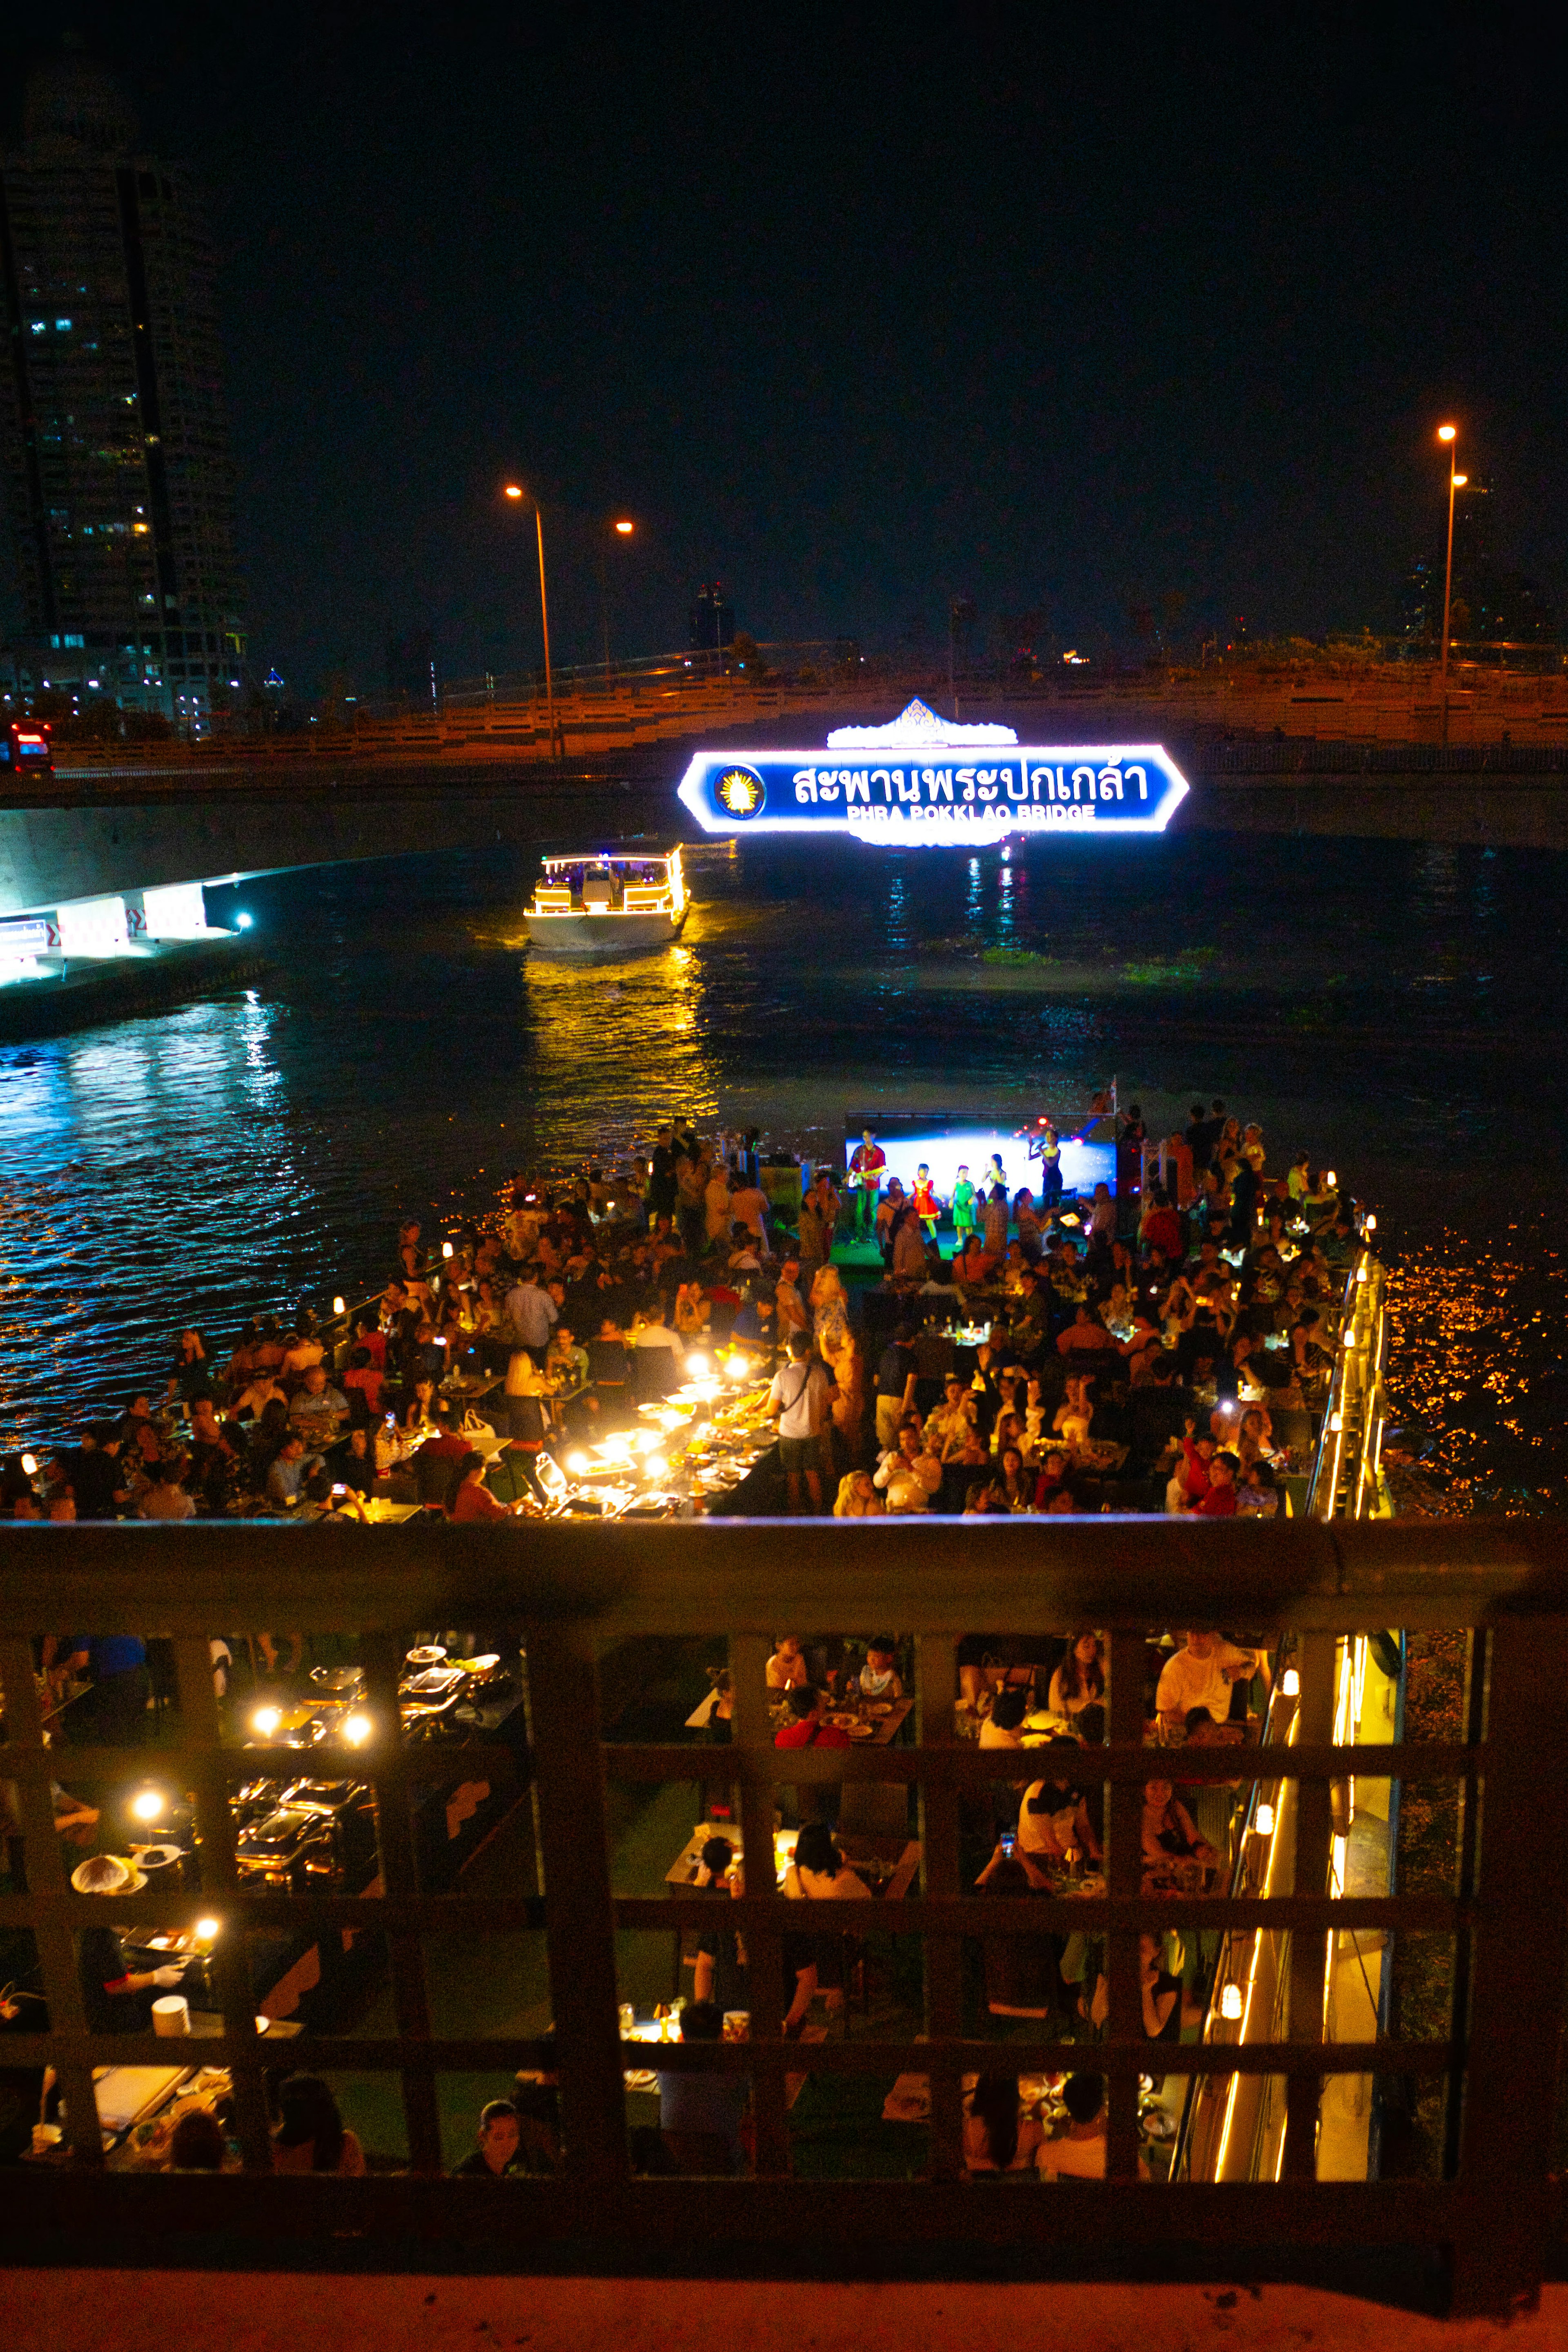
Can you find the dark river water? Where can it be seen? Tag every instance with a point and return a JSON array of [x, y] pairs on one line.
[[1394, 1008]]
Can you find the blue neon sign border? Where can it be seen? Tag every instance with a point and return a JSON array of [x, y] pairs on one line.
[[989, 826]]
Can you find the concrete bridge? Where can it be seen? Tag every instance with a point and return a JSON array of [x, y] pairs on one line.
[[106, 828]]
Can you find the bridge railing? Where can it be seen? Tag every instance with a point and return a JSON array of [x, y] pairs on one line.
[[574, 1597]]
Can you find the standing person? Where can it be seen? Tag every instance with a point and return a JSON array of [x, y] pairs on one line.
[[661, 1195], [692, 1173], [790, 1307], [1050, 1167], [924, 1199], [867, 1162], [1243, 1205], [897, 1371], [996, 1225], [117, 1999], [907, 1258], [819, 1216], [717, 1211], [748, 1206], [963, 1205], [528, 1422], [798, 1401], [530, 1310]]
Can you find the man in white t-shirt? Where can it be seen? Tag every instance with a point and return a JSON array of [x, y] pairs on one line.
[[1201, 1674], [797, 1400]]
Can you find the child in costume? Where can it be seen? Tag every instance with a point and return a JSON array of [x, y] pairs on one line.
[[928, 1207]]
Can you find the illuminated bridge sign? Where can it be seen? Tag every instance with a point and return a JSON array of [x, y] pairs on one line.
[[923, 780]]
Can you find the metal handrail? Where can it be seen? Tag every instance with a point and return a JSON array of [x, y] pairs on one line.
[[568, 1591]]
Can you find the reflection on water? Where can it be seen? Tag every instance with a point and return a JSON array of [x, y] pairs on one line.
[[1383, 1003]]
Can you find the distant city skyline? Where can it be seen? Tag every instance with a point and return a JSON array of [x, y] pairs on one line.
[[1065, 324]]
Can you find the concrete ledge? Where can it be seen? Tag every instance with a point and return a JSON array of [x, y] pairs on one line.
[[117, 987], [218, 2311]]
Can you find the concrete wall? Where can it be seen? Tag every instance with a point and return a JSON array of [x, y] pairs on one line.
[[49, 855]]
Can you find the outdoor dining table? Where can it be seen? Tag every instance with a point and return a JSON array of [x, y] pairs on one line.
[[899, 1857]]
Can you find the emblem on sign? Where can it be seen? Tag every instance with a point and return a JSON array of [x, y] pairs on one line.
[[741, 791]]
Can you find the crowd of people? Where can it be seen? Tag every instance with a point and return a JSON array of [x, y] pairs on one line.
[[1167, 1359]]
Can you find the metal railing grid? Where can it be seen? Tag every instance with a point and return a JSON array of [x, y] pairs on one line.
[[566, 1591]]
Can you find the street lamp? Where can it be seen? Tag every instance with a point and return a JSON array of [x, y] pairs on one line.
[[1448, 435], [623, 530], [515, 491]]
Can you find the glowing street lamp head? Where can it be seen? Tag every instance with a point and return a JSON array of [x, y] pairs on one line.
[[626, 529], [514, 489], [1448, 432], [1460, 482]]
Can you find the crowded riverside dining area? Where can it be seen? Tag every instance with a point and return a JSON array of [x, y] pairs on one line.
[[627, 1356]]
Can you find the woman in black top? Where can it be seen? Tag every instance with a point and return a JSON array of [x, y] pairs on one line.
[[1160, 1993], [497, 2150], [357, 1465]]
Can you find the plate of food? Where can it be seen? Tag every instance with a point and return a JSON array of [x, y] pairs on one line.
[[845, 1722], [861, 1730]]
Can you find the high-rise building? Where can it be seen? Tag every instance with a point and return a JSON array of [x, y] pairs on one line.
[[1491, 608], [711, 620], [115, 441]]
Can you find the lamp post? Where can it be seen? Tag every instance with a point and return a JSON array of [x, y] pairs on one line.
[[515, 490], [622, 531], [1448, 435]]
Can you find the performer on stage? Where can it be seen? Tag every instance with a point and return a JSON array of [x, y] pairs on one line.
[[928, 1207], [1050, 1166], [964, 1222], [865, 1178], [996, 1173]]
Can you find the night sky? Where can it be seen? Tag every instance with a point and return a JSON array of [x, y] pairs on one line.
[[860, 310]]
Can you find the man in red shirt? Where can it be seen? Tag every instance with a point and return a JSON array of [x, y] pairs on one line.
[[817, 1799], [866, 1163], [1162, 1227], [1219, 1503], [806, 1727], [435, 1464], [1085, 1335]]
